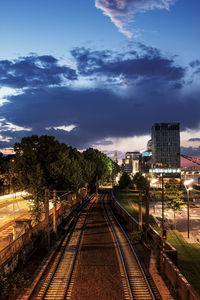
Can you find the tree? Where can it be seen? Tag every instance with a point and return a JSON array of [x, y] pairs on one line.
[[125, 181], [143, 186], [3, 170], [42, 162], [101, 166], [175, 198], [6, 171]]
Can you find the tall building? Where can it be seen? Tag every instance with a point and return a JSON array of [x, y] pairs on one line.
[[146, 159], [166, 147], [115, 159], [131, 163]]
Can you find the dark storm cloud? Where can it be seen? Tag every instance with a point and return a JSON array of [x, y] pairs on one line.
[[190, 151], [3, 145], [195, 63], [131, 65], [150, 90], [104, 143], [34, 71], [99, 113], [194, 140]]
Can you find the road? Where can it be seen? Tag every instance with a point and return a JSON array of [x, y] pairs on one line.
[[181, 220], [11, 209]]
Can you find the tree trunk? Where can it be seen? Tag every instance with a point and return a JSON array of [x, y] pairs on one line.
[[174, 220]]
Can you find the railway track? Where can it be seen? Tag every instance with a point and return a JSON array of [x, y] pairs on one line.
[[57, 276], [56, 279], [134, 280]]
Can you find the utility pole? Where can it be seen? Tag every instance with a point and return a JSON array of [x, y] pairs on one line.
[[54, 213], [164, 231], [163, 216], [46, 207], [188, 213], [140, 211]]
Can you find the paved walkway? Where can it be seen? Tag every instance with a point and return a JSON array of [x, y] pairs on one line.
[[181, 221]]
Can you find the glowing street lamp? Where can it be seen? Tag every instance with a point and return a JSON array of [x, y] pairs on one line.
[[153, 181], [187, 184]]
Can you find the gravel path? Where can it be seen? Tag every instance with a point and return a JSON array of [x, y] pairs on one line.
[[97, 273]]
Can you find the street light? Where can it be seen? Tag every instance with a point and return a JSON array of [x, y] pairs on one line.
[[153, 181], [153, 185], [187, 184], [163, 214]]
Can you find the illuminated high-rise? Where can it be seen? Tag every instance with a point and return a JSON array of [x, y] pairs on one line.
[[166, 146]]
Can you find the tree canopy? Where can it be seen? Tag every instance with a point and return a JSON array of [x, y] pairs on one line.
[[141, 182], [43, 162], [125, 181], [143, 186], [175, 197]]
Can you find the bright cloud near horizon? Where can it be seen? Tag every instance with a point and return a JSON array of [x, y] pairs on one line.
[[99, 73]]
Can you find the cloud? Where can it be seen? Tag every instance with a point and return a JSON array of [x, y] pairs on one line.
[[8, 91], [8, 126], [195, 63], [63, 127], [128, 92], [121, 144], [5, 138], [194, 140], [100, 113], [147, 63], [121, 12], [6, 151], [34, 71], [190, 151], [103, 143]]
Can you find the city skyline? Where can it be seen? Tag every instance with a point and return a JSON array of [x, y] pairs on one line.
[[99, 73]]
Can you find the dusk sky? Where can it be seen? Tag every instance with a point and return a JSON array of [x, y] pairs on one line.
[[99, 73]]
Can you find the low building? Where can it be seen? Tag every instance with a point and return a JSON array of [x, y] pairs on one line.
[[191, 173], [131, 163]]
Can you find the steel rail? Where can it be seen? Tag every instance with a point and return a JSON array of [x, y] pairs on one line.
[[59, 282], [137, 282], [124, 275], [48, 273], [58, 261]]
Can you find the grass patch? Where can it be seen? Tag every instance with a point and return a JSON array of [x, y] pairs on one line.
[[127, 194], [129, 200], [188, 258]]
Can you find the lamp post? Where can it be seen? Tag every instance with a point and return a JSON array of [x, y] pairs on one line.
[[153, 184], [187, 184], [164, 230], [163, 214]]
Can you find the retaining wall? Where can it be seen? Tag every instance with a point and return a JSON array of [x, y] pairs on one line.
[[178, 282], [18, 251]]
